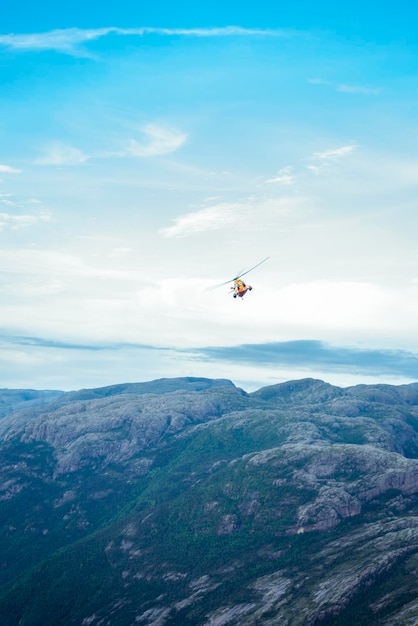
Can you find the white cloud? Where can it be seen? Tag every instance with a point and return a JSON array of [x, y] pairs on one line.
[[315, 169], [357, 89], [159, 141], [321, 160], [345, 88], [335, 153], [250, 215], [15, 222], [7, 169], [120, 252], [71, 40], [211, 218], [317, 164], [60, 154], [67, 41], [223, 31], [283, 177], [4, 199]]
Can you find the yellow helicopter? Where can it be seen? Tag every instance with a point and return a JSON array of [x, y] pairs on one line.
[[240, 288]]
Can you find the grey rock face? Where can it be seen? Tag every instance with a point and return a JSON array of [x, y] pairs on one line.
[[114, 428]]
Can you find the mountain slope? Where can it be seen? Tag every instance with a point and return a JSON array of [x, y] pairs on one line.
[[197, 503]]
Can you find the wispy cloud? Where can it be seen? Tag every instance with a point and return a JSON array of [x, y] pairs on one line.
[[10, 221], [345, 88], [317, 163], [302, 356], [284, 176], [334, 153], [61, 154], [67, 41], [6, 201], [251, 214], [25, 340], [158, 141], [7, 169], [321, 160], [211, 218], [72, 40], [317, 354]]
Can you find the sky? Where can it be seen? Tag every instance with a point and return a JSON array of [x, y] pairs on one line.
[[149, 151]]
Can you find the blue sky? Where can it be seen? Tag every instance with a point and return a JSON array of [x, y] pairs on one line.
[[149, 151]]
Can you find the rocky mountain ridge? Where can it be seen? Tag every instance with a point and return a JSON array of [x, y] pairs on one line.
[[190, 501]]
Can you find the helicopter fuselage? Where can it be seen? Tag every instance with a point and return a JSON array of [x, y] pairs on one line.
[[240, 288]]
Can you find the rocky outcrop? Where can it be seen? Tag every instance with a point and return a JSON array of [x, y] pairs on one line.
[[118, 426]]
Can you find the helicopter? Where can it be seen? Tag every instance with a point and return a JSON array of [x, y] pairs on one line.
[[240, 288]]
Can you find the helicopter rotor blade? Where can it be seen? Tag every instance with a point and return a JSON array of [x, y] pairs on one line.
[[238, 276], [221, 284], [251, 268]]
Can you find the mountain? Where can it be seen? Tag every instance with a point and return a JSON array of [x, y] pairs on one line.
[[14, 399], [191, 502]]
